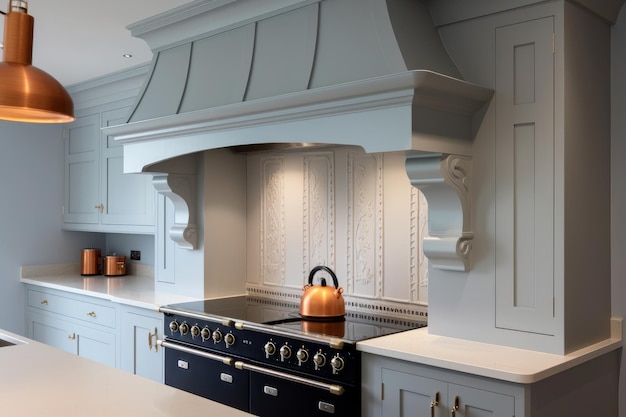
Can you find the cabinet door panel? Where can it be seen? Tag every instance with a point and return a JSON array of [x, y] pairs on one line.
[[52, 332], [479, 403], [128, 198], [140, 355], [96, 345], [411, 395], [525, 177], [81, 170]]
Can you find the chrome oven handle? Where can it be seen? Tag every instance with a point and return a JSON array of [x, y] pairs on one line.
[[224, 359], [332, 388]]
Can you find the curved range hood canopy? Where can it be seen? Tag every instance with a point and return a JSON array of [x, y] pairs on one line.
[[371, 73]]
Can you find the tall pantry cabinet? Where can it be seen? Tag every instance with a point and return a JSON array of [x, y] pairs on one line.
[[541, 276]]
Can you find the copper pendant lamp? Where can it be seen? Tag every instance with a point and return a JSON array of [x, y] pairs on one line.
[[28, 94]]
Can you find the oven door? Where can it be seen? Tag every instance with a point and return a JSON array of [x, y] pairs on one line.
[[206, 374], [274, 396]]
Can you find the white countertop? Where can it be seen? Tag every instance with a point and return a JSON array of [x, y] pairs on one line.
[[135, 290], [493, 361], [38, 380]]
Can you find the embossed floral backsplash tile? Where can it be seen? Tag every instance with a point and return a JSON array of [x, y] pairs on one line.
[[341, 207]]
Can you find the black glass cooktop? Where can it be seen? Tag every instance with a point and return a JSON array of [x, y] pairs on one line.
[[285, 316]]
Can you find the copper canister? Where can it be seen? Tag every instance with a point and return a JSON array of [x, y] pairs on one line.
[[91, 262], [114, 265]]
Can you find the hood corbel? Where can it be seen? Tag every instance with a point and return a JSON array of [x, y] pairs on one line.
[[445, 182]]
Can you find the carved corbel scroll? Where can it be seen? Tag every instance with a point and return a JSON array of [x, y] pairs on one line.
[[181, 190], [445, 182]]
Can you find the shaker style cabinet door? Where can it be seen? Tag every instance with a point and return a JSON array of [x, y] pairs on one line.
[[140, 353], [128, 199], [525, 177], [407, 395], [50, 331], [82, 165]]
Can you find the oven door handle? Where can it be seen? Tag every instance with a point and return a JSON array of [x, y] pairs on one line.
[[332, 388], [174, 346]]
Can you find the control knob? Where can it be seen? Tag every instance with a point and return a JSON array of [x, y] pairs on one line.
[[319, 359], [302, 355], [270, 349], [217, 336], [184, 328], [173, 326], [195, 330], [285, 352], [229, 339], [337, 363], [205, 333]]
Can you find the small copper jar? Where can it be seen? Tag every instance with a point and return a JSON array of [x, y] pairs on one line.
[[114, 265], [90, 262]]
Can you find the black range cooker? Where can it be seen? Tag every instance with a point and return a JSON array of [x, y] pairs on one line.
[[260, 356]]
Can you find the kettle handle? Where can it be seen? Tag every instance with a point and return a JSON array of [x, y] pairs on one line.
[[323, 268]]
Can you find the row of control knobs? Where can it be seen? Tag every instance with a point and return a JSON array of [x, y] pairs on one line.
[[302, 355], [319, 359], [205, 333]]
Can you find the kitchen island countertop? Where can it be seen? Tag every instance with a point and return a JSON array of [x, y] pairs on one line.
[[38, 380], [483, 359]]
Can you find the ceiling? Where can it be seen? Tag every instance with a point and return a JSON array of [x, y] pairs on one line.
[[78, 40]]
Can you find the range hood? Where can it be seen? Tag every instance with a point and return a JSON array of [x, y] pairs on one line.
[[249, 73]]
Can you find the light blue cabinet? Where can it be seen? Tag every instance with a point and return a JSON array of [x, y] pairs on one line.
[[76, 324], [99, 197], [396, 388], [117, 335], [139, 331]]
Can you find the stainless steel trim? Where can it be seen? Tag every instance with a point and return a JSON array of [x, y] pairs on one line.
[[224, 359], [332, 388]]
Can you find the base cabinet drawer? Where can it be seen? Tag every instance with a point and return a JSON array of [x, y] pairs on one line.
[[91, 311]]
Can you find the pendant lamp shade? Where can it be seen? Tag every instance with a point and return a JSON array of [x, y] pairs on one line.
[[28, 94]]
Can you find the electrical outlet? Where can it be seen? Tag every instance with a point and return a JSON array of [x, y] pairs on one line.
[[135, 255]]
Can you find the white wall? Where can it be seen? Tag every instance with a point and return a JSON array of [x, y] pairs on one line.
[[618, 184], [31, 184]]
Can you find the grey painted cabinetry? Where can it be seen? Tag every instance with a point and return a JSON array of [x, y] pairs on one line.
[[396, 388], [116, 335], [139, 331], [75, 324], [99, 197], [393, 388]]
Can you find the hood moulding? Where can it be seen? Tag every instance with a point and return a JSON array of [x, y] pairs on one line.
[[244, 74]]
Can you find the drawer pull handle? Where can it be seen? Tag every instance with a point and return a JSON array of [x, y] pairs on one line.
[[100, 207], [92, 314], [72, 336], [156, 338], [434, 404], [44, 302], [456, 406]]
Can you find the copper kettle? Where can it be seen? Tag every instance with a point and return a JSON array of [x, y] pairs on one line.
[[321, 302]]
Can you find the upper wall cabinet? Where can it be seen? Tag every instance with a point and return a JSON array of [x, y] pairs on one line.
[[99, 197]]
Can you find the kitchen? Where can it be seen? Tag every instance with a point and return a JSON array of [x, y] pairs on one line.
[[440, 318]]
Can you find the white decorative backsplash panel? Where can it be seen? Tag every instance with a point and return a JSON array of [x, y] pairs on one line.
[[354, 212], [318, 210], [365, 224], [273, 221]]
